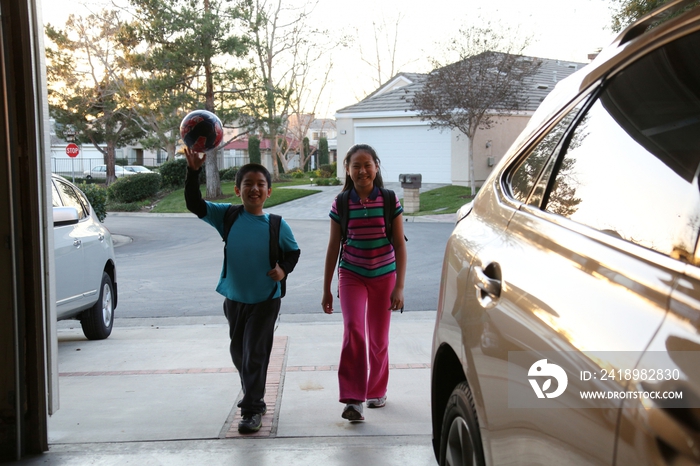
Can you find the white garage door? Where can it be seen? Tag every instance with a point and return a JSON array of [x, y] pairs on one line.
[[409, 149]]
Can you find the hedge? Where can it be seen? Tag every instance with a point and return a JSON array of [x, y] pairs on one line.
[[97, 196], [135, 188]]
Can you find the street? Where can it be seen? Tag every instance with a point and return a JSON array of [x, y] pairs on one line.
[[172, 265]]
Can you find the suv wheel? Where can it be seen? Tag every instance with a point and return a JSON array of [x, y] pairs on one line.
[[460, 441], [97, 321]]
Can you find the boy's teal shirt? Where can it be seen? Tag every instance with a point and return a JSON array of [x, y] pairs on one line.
[[248, 254]]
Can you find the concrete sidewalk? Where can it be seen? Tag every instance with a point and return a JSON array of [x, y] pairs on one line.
[[164, 392]]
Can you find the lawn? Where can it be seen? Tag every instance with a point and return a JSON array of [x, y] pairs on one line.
[[444, 200], [175, 201]]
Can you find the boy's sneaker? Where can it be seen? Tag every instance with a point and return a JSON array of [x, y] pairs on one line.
[[250, 423], [376, 402], [353, 412]]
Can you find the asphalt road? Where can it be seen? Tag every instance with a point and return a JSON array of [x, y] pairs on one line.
[[172, 265]]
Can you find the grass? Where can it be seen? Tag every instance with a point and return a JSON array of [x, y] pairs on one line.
[[175, 201], [444, 200]]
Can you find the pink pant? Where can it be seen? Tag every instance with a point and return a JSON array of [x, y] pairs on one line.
[[365, 304]]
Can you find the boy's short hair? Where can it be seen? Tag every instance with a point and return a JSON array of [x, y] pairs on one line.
[[255, 168]]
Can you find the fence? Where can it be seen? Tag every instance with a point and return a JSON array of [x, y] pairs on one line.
[[78, 167]]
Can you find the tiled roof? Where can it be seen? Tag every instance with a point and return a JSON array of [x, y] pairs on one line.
[[398, 100]]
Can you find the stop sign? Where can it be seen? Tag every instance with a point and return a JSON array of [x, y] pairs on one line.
[[72, 150]]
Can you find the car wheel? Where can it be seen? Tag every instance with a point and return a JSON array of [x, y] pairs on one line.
[[97, 321], [460, 440]]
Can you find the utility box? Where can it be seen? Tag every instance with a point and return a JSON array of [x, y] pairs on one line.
[[411, 193], [410, 181]]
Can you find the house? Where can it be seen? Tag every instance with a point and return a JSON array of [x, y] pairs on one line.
[[307, 125], [324, 128], [235, 153], [405, 144]]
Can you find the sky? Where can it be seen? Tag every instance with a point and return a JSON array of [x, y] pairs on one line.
[[560, 29]]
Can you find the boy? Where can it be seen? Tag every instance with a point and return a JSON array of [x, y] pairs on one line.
[[251, 289]]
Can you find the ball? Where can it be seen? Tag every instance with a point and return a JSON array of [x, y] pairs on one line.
[[201, 131]]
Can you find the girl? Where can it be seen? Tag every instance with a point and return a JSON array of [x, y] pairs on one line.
[[370, 281]]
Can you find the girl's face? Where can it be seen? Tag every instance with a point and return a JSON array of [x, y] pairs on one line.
[[362, 169]]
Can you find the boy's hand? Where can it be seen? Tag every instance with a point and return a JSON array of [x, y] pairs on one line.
[[277, 274], [195, 160]]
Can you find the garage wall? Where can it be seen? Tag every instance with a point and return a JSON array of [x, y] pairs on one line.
[[412, 148]]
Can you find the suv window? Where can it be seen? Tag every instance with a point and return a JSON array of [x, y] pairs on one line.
[[524, 177], [73, 198], [630, 167]]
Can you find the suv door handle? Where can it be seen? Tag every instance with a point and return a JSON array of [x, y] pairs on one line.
[[490, 286], [77, 243]]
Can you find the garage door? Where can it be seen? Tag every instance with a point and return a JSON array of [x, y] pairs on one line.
[[409, 149]]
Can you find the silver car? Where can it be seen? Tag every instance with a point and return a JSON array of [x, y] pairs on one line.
[[136, 169], [568, 322], [100, 172], [86, 276]]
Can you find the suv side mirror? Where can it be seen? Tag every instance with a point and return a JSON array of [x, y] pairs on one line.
[[63, 216]]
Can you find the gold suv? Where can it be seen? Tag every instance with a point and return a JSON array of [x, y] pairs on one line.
[[568, 323]]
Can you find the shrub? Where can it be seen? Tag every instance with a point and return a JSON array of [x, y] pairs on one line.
[[122, 162], [296, 173], [327, 181], [228, 174], [174, 173], [97, 196], [328, 170], [135, 187]]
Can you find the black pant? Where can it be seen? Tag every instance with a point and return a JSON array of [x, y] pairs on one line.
[[251, 328]]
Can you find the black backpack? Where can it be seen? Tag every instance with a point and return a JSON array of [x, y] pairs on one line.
[[276, 253]]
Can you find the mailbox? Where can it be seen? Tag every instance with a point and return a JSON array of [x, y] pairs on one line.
[[410, 181]]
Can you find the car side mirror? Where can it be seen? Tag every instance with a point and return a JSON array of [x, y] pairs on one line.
[[63, 216]]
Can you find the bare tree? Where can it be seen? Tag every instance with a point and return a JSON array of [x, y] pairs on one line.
[[486, 81], [288, 58], [382, 58]]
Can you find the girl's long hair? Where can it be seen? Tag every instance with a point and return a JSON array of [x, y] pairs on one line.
[[378, 181]]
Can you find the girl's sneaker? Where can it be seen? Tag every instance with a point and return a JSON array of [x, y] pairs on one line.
[[353, 412], [376, 402]]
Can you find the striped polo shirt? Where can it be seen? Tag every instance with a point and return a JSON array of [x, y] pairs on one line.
[[367, 250]]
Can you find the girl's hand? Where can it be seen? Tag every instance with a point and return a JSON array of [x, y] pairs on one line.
[[327, 303], [396, 299], [195, 160]]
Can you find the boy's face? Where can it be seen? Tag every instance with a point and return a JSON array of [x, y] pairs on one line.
[[253, 192]]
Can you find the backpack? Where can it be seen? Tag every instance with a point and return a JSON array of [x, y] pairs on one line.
[[276, 253]]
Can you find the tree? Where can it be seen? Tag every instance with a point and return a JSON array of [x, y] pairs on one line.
[[628, 11], [190, 56], [88, 84], [382, 60], [486, 82], [288, 64], [254, 149], [306, 154], [323, 152]]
